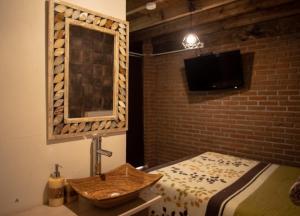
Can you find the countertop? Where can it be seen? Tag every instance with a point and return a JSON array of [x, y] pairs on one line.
[[83, 207]]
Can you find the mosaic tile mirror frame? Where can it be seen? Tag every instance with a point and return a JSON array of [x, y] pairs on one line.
[[87, 72]]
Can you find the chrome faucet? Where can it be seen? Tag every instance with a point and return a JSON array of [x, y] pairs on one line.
[[97, 152]]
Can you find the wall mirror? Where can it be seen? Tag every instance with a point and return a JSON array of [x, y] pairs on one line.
[[87, 72]]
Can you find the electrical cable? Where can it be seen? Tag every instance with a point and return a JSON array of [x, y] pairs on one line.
[[135, 54]]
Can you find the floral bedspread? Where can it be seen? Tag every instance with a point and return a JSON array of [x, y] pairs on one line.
[[187, 187]]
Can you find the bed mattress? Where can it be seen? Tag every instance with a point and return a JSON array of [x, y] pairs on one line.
[[214, 184]]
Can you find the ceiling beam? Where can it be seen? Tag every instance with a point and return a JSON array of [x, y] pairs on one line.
[[141, 8], [255, 24], [233, 9], [156, 20]]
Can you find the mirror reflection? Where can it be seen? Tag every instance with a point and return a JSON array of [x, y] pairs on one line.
[[91, 67]]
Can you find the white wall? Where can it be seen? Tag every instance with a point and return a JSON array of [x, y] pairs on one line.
[[26, 159]]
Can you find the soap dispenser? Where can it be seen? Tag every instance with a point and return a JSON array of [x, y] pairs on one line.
[[56, 188]]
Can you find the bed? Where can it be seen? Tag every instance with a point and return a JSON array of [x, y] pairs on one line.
[[213, 184]]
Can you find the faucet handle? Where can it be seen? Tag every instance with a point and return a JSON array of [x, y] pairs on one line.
[[104, 152]]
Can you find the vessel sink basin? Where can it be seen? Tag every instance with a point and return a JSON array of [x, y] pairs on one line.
[[119, 186]]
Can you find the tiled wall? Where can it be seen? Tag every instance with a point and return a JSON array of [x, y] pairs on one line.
[[91, 62]]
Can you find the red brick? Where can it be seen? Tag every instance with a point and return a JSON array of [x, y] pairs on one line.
[[276, 108], [256, 107], [273, 103], [288, 93], [257, 98], [294, 108]]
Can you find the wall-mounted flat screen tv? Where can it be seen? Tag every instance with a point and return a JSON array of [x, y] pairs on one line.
[[215, 71]]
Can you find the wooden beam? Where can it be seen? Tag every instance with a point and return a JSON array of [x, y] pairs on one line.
[[216, 14], [141, 8], [275, 21], [263, 15], [132, 4], [153, 20]]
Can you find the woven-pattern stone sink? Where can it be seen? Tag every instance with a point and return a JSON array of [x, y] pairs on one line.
[[120, 185]]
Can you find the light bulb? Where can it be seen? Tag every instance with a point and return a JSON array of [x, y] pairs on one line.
[[191, 41]]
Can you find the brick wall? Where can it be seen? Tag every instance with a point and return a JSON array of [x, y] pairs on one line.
[[260, 122], [149, 107]]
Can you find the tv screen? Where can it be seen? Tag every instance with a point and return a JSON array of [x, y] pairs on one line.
[[215, 71]]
